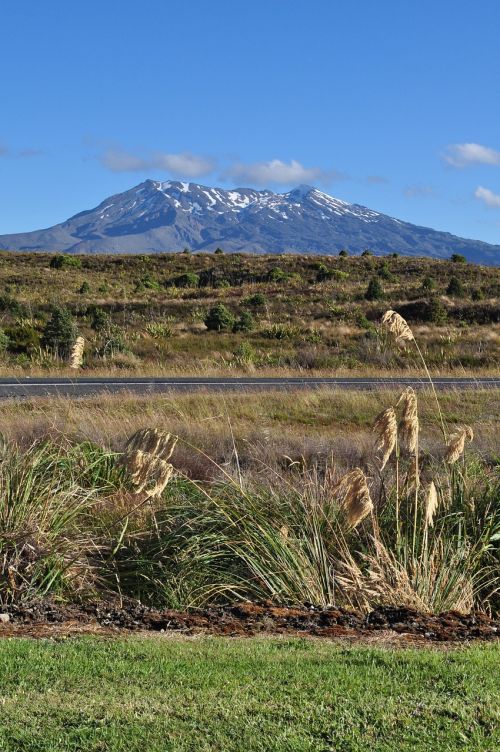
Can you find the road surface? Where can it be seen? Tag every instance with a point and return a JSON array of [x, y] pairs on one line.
[[82, 387]]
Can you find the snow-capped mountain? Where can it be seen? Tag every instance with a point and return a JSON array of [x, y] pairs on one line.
[[168, 216]]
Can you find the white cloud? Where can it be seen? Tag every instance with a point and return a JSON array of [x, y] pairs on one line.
[[276, 172], [184, 165], [180, 165], [488, 197], [463, 155]]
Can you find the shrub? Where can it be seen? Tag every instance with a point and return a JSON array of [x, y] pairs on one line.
[[384, 272], [60, 332], [147, 282], [277, 275], [437, 312], [428, 284], [219, 318], [323, 273], [190, 279], [218, 251], [343, 254], [100, 319], [65, 261], [455, 288], [254, 301], [367, 253], [245, 323], [4, 341], [85, 288], [22, 338], [457, 258], [374, 291]]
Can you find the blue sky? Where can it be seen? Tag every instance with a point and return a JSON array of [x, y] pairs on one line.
[[394, 105]]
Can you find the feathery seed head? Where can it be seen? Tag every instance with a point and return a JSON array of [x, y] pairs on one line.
[[146, 459], [397, 326], [76, 356], [456, 444], [353, 496], [409, 425], [387, 430], [431, 504]]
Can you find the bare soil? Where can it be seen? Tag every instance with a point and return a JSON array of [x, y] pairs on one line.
[[45, 618]]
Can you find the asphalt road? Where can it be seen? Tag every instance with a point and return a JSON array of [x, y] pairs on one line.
[[81, 387]]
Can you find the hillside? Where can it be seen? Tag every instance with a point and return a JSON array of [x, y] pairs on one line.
[[156, 217], [288, 313]]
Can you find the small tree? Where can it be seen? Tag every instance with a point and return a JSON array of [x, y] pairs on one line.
[[455, 288], [218, 251], [245, 323], [219, 319], [85, 288], [428, 284], [367, 253], [343, 254], [64, 261], [374, 291], [60, 332], [457, 258]]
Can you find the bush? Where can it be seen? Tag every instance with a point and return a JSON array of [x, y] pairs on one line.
[[147, 282], [218, 251], [60, 332], [323, 273], [455, 288], [100, 319], [428, 284], [343, 254], [374, 291], [190, 279], [367, 253], [277, 275], [84, 289], [457, 258], [254, 301], [245, 323], [4, 341], [22, 338], [65, 261], [219, 319], [437, 313]]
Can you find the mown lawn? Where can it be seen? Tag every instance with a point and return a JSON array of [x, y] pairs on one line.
[[258, 694]]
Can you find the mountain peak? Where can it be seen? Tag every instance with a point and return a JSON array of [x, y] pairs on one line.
[[166, 216]]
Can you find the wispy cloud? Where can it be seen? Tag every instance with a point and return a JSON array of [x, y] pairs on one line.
[[376, 180], [464, 155], [488, 197], [6, 151], [180, 165], [276, 172], [418, 191]]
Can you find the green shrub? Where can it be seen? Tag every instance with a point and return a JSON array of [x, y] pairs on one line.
[[254, 301], [245, 323], [437, 312], [343, 254], [60, 332], [218, 251], [4, 341], [65, 261], [367, 253], [84, 289], [277, 275], [23, 338], [219, 318], [428, 284], [99, 319], [374, 291], [190, 279], [457, 258], [455, 288]]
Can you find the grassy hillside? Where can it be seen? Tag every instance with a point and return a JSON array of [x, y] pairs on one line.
[[281, 313]]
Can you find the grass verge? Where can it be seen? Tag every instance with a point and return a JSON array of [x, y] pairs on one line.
[[156, 694]]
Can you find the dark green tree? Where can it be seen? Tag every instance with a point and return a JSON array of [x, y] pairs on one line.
[[60, 332], [245, 323], [219, 319], [457, 258], [455, 288], [374, 291]]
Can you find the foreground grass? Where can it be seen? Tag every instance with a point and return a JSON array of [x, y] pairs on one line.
[[215, 694]]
